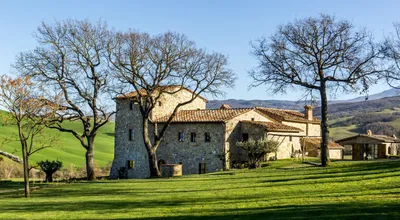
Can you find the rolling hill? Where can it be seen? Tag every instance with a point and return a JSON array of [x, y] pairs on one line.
[[69, 151]]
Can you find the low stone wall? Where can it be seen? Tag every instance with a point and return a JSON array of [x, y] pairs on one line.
[[169, 170]]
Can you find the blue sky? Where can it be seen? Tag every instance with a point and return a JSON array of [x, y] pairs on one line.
[[221, 26]]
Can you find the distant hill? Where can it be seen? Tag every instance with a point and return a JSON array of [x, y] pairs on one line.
[[351, 108], [240, 103], [384, 94], [342, 105]]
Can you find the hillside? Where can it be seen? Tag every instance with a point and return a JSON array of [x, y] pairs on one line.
[[69, 151]]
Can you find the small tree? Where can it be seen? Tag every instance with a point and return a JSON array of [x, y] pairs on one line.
[[320, 55], [257, 149], [30, 113], [50, 167], [152, 65]]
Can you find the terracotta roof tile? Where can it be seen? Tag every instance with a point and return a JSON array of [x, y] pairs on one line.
[[316, 143], [383, 138], [205, 115], [285, 115], [272, 126]]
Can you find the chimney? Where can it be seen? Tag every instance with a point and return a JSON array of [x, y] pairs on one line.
[[369, 132], [308, 112], [225, 106]]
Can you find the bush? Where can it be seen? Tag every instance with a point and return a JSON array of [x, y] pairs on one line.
[[257, 149], [50, 167]]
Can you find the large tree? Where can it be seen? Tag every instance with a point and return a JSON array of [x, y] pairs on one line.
[[155, 64], [392, 54], [71, 60], [319, 54], [29, 112]]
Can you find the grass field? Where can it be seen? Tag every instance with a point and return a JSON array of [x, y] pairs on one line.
[[281, 190], [69, 150]]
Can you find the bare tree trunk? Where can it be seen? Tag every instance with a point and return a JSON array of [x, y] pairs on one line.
[[153, 164], [324, 126], [151, 149], [26, 170], [90, 173]]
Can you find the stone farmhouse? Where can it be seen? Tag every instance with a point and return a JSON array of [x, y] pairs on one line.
[[204, 140]]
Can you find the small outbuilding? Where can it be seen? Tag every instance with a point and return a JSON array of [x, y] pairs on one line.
[[370, 146], [313, 148]]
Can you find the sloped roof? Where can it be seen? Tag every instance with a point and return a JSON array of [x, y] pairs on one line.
[[143, 92], [205, 115], [316, 143], [272, 126], [286, 115], [382, 138]]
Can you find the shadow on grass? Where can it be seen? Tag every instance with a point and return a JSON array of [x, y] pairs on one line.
[[111, 134], [191, 209]]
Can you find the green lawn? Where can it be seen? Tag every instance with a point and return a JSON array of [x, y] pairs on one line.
[[281, 190], [69, 150]]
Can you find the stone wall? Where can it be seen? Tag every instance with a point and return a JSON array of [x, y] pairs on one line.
[[314, 130], [335, 153], [308, 129], [189, 153], [125, 149], [234, 134], [168, 103], [289, 143]]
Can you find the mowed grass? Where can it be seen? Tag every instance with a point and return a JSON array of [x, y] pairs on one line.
[[68, 149], [282, 190]]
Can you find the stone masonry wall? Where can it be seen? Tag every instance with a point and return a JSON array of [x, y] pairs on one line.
[[234, 134], [190, 154], [124, 149], [309, 129], [168, 103]]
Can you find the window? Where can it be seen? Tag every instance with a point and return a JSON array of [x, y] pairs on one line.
[[245, 137], [193, 137], [207, 137], [252, 119], [132, 105], [131, 134], [290, 138], [181, 136], [159, 103]]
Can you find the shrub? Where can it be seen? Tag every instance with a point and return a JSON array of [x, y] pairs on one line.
[[50, 167], [257, 149]]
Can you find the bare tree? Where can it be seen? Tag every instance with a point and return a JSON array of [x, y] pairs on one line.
[[392, 42], [30, 113], [71, 59], [317, 54], [152, 64]]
